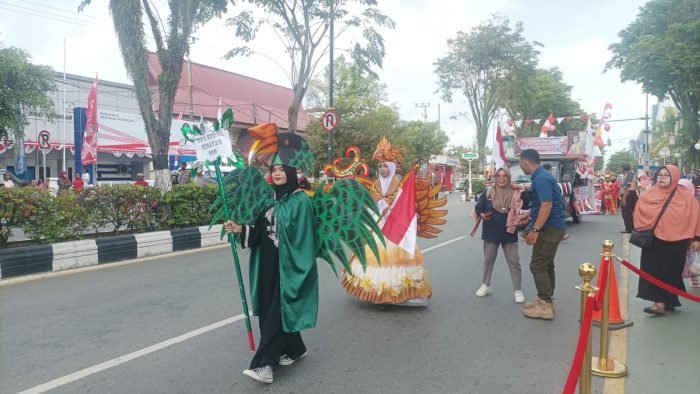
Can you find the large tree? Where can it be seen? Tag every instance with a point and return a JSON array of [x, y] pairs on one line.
[[661, 51], [302, 27], [476, 65], [617, 159], [421, 141], [172, 42], [365, 119], [358, 101], [534, 94], [24, 89]]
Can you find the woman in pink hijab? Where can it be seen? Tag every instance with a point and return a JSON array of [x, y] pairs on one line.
[[690, 271]]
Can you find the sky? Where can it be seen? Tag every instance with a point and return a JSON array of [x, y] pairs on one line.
[[574, 34]]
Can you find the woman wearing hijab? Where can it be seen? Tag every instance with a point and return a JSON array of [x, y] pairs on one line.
[[677, 231], [499, 207], [608, 196], [399, 277], [283, 273], [140, 181], [64, 182], [78, 183]]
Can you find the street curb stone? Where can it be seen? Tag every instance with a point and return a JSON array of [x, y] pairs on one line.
[[61, 256]]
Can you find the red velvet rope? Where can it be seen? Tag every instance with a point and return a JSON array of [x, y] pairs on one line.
[[604, 271], [659, 283], [575, 371]]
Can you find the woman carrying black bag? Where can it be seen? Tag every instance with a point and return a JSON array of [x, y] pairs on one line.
[[672, 216]]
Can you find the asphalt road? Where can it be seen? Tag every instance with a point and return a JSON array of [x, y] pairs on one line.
[[54, 327]]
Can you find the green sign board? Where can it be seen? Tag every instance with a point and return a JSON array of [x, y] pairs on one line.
[[470, 156]]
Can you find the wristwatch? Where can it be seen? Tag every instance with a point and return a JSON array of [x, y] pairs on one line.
[[535, 230]]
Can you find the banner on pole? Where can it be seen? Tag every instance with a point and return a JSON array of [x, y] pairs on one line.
[[88, 154], [212, 145]]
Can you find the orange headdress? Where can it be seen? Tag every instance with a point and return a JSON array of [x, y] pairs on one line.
[[385, 152]]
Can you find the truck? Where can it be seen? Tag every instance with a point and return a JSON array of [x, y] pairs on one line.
[[556, 152]]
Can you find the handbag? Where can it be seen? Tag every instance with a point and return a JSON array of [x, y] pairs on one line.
[[645, 238]]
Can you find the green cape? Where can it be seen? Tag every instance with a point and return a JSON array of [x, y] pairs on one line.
[[296, 234]]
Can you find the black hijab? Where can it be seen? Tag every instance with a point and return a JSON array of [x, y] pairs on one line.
[[291, 185]]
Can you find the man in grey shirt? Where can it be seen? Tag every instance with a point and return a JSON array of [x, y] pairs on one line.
[[629, 197], [183, 176]]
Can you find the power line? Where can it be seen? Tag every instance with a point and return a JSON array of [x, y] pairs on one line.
[[57, 18], [73, 13]]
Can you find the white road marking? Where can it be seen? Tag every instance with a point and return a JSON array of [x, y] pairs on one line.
[[83, 373], [128, 357], [426, 250]]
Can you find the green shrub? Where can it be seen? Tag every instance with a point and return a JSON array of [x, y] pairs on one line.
[[188, 205], [54, 218], [14, 210], [47, 218], [478, 186], [123, 207]]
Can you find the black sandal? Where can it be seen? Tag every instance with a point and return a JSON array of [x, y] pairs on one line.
[[652, 311]]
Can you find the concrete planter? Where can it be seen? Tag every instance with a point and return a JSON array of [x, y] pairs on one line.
[[84, 253]]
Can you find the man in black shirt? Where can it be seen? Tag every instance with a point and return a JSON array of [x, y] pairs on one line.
[[629, 197]]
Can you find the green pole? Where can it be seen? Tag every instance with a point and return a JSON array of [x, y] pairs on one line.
[[232, 241]]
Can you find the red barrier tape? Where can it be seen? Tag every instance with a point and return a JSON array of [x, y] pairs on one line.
[[604, 271], [575, 371], [659, 283]]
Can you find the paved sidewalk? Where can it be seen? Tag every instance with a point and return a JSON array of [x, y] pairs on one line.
[[663, 353]]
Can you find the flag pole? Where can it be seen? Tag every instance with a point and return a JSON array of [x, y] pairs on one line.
[[234, 252], [64, 105], [97, 116]]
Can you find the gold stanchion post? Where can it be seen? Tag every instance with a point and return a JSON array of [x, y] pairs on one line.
[[587, 272], [602, 365]]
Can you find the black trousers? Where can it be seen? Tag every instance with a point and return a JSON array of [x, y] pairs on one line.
[[628, 211], [274, 342], [664, 261]]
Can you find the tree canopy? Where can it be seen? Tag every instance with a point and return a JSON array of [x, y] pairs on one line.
[[477, 64], [365, 119], [172, 42], [302, 28], [660, 50], [24, 90], [534, 93], [617, 159]]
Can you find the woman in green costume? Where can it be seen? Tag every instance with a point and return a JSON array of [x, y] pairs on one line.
[[283, 273]]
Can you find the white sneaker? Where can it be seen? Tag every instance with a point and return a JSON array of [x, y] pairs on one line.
[[519, 297], [286, 360], [261, 374], [483, 290]]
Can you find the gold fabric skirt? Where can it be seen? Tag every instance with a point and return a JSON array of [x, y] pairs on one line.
[[400, 277]]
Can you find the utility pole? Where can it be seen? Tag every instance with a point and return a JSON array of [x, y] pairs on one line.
[[425, 107], [330, 80], [189, 78], [646, 133], [439, 123], [189, 82]]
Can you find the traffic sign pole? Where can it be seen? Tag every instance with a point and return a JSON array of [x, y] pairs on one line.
[[331, 93], [44, 144], [329, 122], [470, 179]]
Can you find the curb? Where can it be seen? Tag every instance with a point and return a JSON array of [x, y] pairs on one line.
[[37, 259]]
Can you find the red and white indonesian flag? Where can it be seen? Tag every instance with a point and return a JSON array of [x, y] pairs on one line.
[[499, 156], [401, 223], [88, 153], [548, 126]]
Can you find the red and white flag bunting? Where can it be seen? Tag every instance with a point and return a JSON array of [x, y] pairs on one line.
[[88, 153], [499, 157], [401, 224]]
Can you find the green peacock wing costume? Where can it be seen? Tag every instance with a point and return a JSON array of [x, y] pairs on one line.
[[342, 211]]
